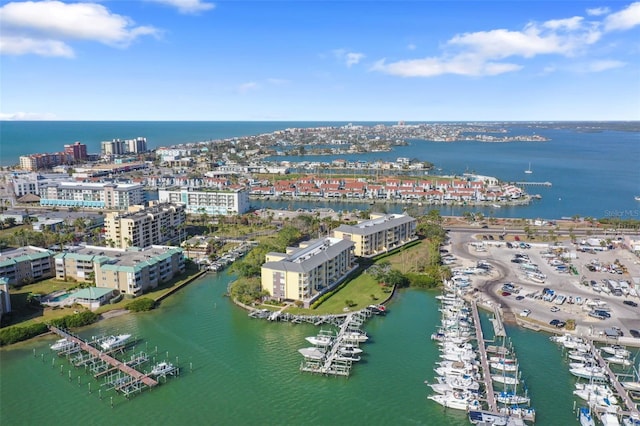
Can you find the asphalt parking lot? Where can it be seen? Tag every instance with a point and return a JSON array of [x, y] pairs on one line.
[[617, 264]]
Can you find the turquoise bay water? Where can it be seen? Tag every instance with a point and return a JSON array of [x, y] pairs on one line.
[[245, 371], [593, 174]]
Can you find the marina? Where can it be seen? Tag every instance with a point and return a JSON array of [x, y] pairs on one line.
[[97, 357], [468, 384], [335, 352]]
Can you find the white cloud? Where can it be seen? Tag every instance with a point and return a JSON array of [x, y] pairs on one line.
[[411, 46], [624, 19], [24, 116], [247, 87], [187, 6], [598, 11], [16, 45], [603, 65], [485, 52], [349, 58], [45, 28], [430, 67], [569, 23]]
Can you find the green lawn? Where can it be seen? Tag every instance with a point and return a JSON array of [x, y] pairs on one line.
[[24, 314]]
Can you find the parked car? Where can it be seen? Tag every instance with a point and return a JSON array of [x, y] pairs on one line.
[[519, 297], [554, 322], [630, 303], [554, 309], [635, 333], [525, 313]]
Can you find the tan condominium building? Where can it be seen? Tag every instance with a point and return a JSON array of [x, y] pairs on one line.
[[226, 202], [97, 195], [25, 265], [308, 271], [132, 271], [379, 234], [144, 226]]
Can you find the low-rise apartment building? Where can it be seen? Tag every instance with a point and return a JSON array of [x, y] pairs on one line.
[[26, 265], [224, 202], [144, 226], [132, 271], [379, 234], [306, 272]]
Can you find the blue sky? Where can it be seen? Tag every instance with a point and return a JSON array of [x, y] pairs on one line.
[[320, 60]]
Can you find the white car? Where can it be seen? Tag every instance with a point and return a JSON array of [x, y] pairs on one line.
[[554, 309], [525, 313]]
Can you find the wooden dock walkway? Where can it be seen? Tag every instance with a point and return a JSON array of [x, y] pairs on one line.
[[486, 372], [624, 394], [116, 364]]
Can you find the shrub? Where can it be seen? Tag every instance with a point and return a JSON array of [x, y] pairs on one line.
[[15, 334], [141, 304]]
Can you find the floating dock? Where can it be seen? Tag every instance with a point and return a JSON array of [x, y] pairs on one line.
[[132, 377], [484, 362], [613, 379]]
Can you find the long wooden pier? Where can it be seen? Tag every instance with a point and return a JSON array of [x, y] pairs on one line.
[[624, 394], [115, 363], [486, 372]]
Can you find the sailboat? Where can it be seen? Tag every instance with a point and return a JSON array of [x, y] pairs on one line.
[[529, 171]]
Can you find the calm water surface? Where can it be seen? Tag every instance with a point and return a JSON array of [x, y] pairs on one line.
[[245, 371]]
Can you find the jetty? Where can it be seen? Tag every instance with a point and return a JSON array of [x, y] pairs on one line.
[[484, 362], [333, 362], [525, 183], [613, 379], [134, 376]]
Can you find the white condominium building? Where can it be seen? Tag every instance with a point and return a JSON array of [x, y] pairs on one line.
[[116, 196], [306, 272], [381, 233], [143, 227], [131, 271], [226, 202]]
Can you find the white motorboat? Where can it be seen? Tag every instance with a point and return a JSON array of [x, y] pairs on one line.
[[453, 383], [507, 380], [501, 366], [62, 344], [616, 350], [114, 342], [618, 360], [355, 336], [634, 386], [312, 353], [323, 339], [352, 358], [467, 382], [488, 418], [456, 371], [457, 400], [596, 394], [468, 356], [511, 398], [585, 417], [162, 369], [609, 419], [349, 350], [502, 360], [588, 372]]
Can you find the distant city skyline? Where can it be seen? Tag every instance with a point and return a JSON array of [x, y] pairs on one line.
[[197, 60]]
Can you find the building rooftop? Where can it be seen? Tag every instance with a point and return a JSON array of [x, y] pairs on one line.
[[91, 293], [307, 258], [375, 225], [23, 254], [131, 259]]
